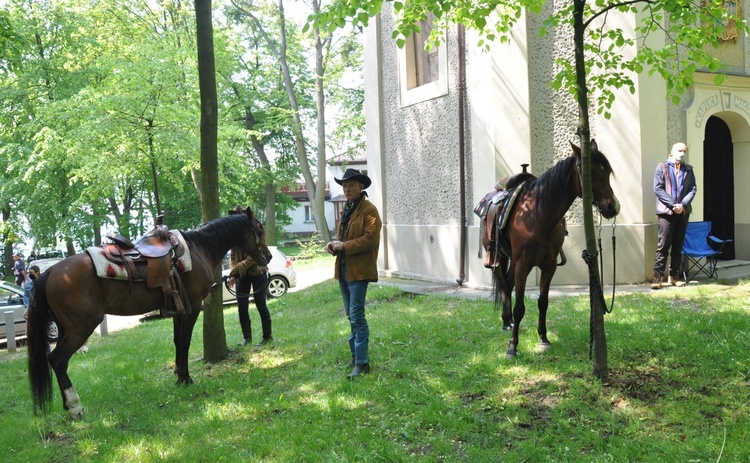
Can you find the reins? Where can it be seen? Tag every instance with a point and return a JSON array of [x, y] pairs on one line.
[[233, 292], [614, 260]]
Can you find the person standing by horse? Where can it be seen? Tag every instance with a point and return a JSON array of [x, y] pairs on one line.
[[356, 265], [251, 278], [675, 188], [28, 286]]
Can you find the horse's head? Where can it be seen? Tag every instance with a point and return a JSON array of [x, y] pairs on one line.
[[604, 198], [255, 241]]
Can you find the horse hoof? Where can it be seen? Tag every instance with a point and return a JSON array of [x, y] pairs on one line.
[[76, 413], [545, 346], [510, 355]]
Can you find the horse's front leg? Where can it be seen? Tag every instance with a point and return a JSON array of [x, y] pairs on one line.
[[544, 284], [183, 333]]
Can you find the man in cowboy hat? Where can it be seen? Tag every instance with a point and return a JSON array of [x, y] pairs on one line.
[[251, 278], [356, 266]]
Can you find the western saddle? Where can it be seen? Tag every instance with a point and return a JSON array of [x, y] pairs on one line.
[[493, 210], [157, 251]]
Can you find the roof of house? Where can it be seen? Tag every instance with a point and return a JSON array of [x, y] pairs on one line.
[[348, 160]]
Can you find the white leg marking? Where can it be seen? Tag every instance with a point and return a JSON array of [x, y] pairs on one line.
[[73, 403]]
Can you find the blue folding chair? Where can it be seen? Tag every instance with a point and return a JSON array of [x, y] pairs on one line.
[[700, 251]]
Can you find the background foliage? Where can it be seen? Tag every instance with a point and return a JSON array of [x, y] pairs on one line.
[[100, 121]]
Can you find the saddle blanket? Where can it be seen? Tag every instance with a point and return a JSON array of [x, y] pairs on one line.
[[105, 268]]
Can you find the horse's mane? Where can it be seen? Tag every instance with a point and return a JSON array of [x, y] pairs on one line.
[[553, 183], [218, 235]]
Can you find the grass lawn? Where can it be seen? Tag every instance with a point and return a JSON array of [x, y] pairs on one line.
[[440, 389]]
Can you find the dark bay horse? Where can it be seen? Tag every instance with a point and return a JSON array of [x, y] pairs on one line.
[[74, 296], [535, 231]]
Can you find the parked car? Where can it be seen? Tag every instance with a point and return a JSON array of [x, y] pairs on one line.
[[281, 275], [11, 299], [44, 264]]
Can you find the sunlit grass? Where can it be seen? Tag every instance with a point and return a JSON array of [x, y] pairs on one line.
[[440, 389]]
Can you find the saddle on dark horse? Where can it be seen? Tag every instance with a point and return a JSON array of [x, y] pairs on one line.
[[494, 209], [153, 258]]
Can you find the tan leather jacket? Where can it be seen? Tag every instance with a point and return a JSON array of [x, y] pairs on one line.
[[362, 244]]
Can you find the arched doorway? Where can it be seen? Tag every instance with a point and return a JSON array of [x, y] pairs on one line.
[[718, 179]]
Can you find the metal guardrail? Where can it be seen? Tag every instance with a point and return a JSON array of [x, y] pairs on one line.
[[10, 333]]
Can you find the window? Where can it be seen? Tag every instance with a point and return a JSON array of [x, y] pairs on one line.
[[308, 214], [423, 74]]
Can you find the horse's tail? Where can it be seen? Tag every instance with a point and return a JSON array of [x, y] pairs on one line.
[[40, 375]]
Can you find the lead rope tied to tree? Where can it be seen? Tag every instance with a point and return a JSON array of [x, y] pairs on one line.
[[595, 288], [595, 293]]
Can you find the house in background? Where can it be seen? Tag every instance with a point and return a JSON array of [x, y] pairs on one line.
[[445, 124], [303, 221]]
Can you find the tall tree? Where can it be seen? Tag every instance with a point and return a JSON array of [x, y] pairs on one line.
[[598, 65], [277, 43], [214, 336]]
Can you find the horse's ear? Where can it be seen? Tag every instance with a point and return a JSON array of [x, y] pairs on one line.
[[576, 150], [250, 214], [594, 146]]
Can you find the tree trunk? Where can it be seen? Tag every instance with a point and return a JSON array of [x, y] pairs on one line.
[[597, 303], [214, 336], [320, 102], [318, 205], [270, 185]]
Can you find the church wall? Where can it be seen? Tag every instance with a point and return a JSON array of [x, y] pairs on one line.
[[514, 117]]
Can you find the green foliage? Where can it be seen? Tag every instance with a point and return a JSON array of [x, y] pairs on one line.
[[312, 248], [440, 388], [673, 38], [101, 113]]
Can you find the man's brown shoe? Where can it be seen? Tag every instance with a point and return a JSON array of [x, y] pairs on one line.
[[657, 282], [675, 282]]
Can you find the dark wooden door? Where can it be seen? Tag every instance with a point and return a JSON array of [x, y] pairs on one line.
[[718, 182]]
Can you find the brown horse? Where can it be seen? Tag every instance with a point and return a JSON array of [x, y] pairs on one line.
[[74, 296], [535, 231]]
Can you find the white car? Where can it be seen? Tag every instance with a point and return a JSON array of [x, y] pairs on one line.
[[44, 264], [11, 300], [281, 275]]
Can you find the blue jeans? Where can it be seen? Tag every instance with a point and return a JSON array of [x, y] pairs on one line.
[[28, 285], [354, 293]]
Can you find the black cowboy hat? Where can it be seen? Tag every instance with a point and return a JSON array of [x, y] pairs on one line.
[[354, 174], [238, 209]]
